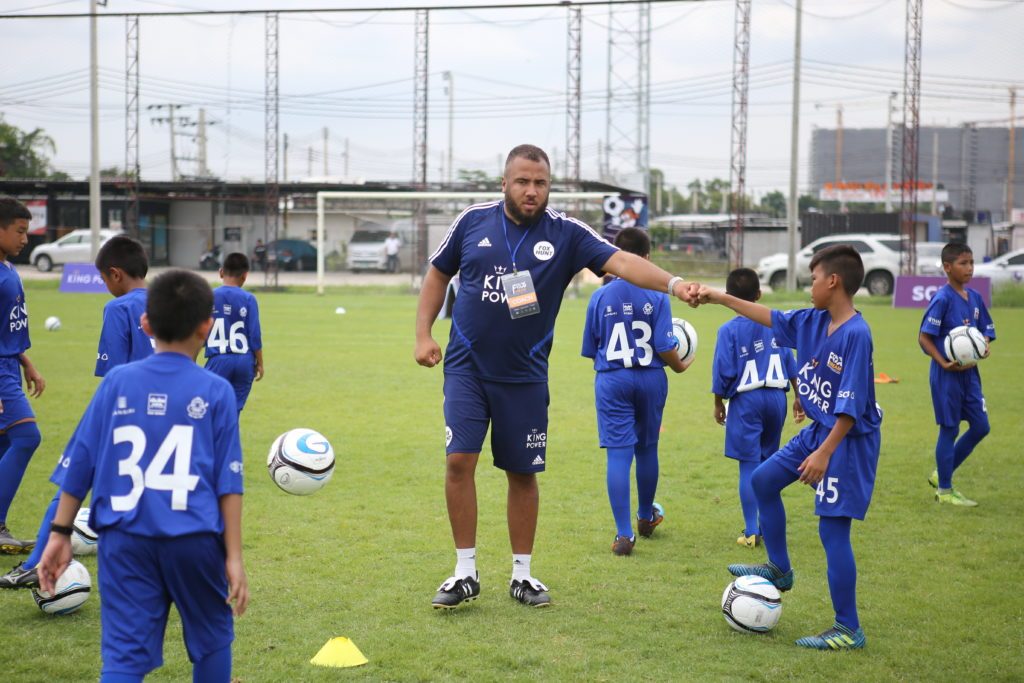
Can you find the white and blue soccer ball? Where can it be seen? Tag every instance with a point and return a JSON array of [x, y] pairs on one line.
[[70, 591], [752, 604], [52, 323], [966, 345], [301, 461], [84, 540], [686, 338]]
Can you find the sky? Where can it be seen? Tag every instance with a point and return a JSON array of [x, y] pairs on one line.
[[352, 73]]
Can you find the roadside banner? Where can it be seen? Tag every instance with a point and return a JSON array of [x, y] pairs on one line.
[[82, 278], [916, 291]]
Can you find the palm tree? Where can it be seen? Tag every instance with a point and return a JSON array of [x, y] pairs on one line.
[[23, 155]]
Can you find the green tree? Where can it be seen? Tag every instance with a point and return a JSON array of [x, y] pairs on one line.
[[474, 175], [774, 204], [23, 155]]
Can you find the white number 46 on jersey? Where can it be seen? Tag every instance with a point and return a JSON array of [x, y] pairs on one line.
[[234, 339]]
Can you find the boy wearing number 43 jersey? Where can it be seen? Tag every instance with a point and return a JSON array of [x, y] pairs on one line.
[[159, 448], [838, 452], [234, 349]]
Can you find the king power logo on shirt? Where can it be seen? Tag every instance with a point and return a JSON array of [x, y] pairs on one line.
[[18, 317], [813, 388], [492, 290]]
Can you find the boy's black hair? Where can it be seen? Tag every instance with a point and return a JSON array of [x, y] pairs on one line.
[[531, 152], [177, 303], [235, 264], [11, 210], [743, 284], [844, 261], [952, 251], [124, 252], [634, 240]]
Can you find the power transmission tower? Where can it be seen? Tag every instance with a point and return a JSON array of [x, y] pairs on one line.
[[130, 221], [172, 120], [572, 120], [271, 130], [740, 94], [420, 82], [911, 130], [627, 100]]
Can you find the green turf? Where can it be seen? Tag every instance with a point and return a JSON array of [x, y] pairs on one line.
[[362, 557]]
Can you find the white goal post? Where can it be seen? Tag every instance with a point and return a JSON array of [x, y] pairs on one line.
[[324, 195]]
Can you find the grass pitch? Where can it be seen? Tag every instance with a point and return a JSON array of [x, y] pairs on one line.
[[363, 557]]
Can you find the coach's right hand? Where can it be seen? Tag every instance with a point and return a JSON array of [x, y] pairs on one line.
[[428, 353]]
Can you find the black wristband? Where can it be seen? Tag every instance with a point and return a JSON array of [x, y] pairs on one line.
[[59, 529]]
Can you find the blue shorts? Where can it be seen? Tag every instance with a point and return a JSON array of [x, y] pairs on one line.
[[753, 428], [139, 578], [12, 393], [517, 414], [237, 368], [956, 396], [845, 490], [630, 404]]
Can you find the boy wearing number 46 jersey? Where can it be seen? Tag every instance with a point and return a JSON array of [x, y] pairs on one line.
[[159, 448], [234, 349], [838, 452]]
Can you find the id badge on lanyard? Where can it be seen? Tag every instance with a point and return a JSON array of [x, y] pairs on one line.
[[520, 293]]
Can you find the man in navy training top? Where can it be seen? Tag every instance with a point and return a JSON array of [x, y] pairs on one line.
[[515, 257], [628, 333], [122, 265], [956, 389], [160, 450], [19, 435], [235, 347]]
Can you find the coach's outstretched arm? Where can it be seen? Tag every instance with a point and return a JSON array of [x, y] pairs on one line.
[[642, 273], [435, 284]]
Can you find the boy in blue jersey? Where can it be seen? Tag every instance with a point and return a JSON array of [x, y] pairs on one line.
[[752, 373], [838, 452], [235, 347], [19, 435], [514, 259], [956, 389], [122, 264], [628, 333], [159, 448]]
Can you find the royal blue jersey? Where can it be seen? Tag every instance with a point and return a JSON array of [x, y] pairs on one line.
[[121, 338], [14, 340], [485, 341], [747, 357], [948, 309], [835, 373], [236, 323], [158, 445], [627, 327]]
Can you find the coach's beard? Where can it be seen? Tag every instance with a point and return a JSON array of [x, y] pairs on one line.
[[519, 217]]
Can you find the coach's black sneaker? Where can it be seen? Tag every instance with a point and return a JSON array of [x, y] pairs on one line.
[[453, 592], [9, 545], [19, 577], [530, 592]]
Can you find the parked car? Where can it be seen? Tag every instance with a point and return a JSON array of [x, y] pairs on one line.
[[74, 247], [366, 250], [1003, 269], [880, 253], [291, 254], [929, 258], [695, 243]]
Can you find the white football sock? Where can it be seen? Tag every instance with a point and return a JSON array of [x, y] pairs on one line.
[[465, 563], [520, 567]]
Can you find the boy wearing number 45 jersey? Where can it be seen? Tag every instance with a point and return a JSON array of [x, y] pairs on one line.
[[838, 452], [159, 448], [234, 349]]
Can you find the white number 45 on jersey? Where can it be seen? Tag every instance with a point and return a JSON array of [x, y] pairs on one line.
[[828, 489]]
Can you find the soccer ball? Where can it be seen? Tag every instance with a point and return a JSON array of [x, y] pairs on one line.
[[966, 345], [52, 323], [70, 591], [686, 336], [83, 539], [752, 604], [301, 461]]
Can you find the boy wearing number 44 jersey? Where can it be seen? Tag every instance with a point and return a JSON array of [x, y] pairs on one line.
[[159, 448], [234, 349], [752, 372], [838, 452]]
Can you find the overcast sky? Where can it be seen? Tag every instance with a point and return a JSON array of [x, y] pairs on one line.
[[353, 73]]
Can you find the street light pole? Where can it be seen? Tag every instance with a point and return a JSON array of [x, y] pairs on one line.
[[888, 152], [94, 135], [794, 155], [450, 91]]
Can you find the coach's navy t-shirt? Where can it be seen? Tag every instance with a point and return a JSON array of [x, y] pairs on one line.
[[485, 341]]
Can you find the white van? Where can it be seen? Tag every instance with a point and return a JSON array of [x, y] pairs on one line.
[[366, 250]]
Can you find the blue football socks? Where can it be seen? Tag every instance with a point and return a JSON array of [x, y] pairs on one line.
[[620, 460], [944, 455], [842, 569], [646, 480], [768, 481], [213, 668], [24, 439], [44, 533], [966, 443], [748, 502]]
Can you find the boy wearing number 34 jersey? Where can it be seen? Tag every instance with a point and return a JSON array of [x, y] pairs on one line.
[[234, 349]]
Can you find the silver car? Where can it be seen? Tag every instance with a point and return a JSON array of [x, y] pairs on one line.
[[1008, 268], [74, 247]]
